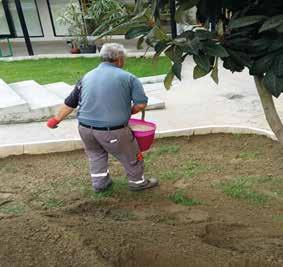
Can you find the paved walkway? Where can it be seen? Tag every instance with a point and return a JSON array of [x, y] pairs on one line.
[[189, 103]]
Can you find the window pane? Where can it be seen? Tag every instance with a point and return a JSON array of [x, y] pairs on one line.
[[57, 8], [4, 29], [31, 18]]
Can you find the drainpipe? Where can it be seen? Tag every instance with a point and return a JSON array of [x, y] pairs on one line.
[[24, 27]]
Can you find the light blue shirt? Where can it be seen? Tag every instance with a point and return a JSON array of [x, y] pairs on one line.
[[107, 94]]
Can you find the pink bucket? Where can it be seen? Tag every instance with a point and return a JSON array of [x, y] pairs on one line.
[[144, 138]]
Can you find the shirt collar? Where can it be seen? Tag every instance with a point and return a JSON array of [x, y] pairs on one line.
[[105, 64]]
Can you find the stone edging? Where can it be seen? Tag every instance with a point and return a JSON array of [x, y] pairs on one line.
[[74, 144], [50, 56]]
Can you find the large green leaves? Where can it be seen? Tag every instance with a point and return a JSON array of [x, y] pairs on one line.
[[273, 83], [169, 79], [240, 58], [245, 21], [262, 65], [203, 62], [277, 67], [175, 54], [177, 69], [136, 32], [230, 64], [199, 72], [214, 49], [272, 23]]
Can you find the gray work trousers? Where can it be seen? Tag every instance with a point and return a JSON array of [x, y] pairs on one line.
[[122, 145]]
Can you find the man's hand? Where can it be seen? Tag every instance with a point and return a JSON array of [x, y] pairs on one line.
[[137, 108], [53, 123], [63, 112]]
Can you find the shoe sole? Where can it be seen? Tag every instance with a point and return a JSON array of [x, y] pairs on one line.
[[142, 188], [104, 189]]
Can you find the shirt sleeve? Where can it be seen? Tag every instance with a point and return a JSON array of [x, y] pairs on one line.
[[138, 94], [73, 99]]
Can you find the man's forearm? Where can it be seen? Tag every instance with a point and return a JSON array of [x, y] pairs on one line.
[[63, 112], [138, 107]]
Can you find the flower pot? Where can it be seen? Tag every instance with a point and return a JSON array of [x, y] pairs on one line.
[[89, 49], [75, 50]]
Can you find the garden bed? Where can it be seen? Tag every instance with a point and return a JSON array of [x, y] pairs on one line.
[[219, 204]]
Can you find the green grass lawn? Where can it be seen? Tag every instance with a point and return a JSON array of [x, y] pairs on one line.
[[46, 71]]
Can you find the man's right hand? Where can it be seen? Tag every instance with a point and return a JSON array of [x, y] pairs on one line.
[[53, 123]]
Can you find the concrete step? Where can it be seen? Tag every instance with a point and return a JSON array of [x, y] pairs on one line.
[[60, 89], [42, 103], [12, 106], [9, 98], [35, 95]]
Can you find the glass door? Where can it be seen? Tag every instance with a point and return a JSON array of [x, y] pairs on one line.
[[57, 9], [6, 29], [31, 15]]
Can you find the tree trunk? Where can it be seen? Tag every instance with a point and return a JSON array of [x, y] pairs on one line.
[[270, 112]]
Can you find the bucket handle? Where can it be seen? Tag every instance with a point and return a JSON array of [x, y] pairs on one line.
[[143, 115]]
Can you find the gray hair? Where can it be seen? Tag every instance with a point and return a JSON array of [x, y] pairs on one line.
[[112, 51]]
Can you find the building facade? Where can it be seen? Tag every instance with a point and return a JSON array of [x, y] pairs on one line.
[[40, 16]]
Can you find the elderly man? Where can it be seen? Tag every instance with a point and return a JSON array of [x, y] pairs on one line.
[[104, 97]]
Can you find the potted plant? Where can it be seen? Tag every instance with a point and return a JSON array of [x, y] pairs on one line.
[[100, 14], [73, 18], [73, 43]]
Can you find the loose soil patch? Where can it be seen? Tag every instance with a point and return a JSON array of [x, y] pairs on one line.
[[219, 203]]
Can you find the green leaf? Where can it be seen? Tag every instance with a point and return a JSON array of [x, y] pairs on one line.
[[135, 32], [170, 53], [198, 72], [262, 65], [204, 35], [273, 84], [138, 7], [177, 69], [230, 64], [280, 28], [159, 48], [277, 66], [196, 45], [140, 42], [157, 34], [240, 58], [245, 21], [203, 62], [214, 74], [168, 80], [275, 45], [175, 54], [272, 23], [217, 50]]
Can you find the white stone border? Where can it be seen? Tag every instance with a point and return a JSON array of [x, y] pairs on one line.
[[74, 144], [52, 56]]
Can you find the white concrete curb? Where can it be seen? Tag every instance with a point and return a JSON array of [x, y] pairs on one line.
[[50, 56], [74, 144]]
